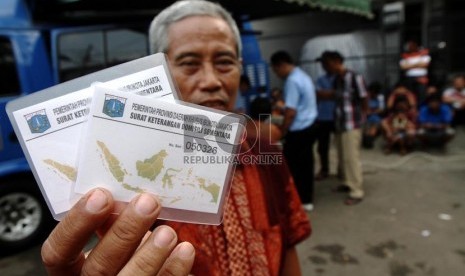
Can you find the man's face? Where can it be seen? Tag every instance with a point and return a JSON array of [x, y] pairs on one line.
[[402, 106], [202, 52], [325, 65], [280, 70], [412, 46], [331, 66], [434, 106], [277, 69], [459, 83]]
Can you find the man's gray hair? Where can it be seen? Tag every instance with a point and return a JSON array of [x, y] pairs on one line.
[[158, 33]]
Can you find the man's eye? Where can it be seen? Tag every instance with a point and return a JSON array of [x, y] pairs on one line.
[[189, 66], [225, 64], [189, 63], [226, 61]]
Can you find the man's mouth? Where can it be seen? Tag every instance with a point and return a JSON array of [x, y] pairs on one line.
[[216, 104]]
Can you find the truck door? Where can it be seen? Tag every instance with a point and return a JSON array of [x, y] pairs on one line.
[[80, 51], [9, 88]]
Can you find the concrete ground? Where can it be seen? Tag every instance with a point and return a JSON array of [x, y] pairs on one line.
[[410, 223]]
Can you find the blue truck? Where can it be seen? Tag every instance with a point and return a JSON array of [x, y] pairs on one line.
[[34, 56]]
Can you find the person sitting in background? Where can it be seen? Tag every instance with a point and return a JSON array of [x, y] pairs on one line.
[[398, 128], [455, 97], [261, 125], [434, 122], [431, 89], [374, 114], [401, 91]]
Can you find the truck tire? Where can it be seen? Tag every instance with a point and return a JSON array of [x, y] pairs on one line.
[[24, 217]]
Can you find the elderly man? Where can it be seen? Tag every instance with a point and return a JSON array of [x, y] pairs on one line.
[[263, 219]]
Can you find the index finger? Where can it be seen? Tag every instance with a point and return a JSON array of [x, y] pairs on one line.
[[62, 251]]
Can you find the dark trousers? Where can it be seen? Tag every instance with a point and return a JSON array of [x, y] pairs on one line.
[[459, 118], [323, 137], [418, 88], [298, 151]]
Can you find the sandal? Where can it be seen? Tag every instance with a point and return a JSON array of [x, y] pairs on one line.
[[352, 201], [340, 189]]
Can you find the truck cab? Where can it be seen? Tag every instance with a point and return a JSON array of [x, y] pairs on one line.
[[33, 57], [36, 55]]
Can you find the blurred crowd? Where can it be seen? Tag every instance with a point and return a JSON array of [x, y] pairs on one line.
[[406, 122], [413, 114]]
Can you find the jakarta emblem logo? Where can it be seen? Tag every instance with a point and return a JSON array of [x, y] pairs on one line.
[[114, 106], [38, 121]]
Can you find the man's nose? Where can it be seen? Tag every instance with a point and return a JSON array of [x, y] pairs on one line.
[[210, 81]]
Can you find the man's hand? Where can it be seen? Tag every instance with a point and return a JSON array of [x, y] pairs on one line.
[[326, 94], [289, 115], [126, 247]]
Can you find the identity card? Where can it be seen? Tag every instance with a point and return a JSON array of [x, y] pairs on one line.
[[183, 153], [49, 123]]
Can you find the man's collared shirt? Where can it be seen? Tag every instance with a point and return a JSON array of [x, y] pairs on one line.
[[299, 94], [326, 107], [350, 92]]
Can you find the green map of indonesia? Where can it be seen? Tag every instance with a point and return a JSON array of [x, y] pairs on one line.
[[151, 168], [67, 171], [112, 162]]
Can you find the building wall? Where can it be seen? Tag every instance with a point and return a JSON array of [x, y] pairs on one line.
[[290, 33], [438, 24]]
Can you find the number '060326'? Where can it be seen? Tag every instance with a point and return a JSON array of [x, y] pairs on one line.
[[200, 147]]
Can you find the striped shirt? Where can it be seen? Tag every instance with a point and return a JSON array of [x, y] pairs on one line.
[[350, 92], [416, 58]]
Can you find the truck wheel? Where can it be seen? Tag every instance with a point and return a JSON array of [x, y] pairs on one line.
[[24, 217]]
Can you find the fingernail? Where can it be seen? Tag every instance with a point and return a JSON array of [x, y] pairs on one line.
[[145, 204], [96, 201], [163, 237], [185, 251]]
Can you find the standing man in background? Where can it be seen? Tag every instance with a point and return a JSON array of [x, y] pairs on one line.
[[325, 121], [299, 124], [414, 64], [351, 107]]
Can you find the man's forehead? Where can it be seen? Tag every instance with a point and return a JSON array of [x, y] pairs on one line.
[[204, 25], [202, 22]]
